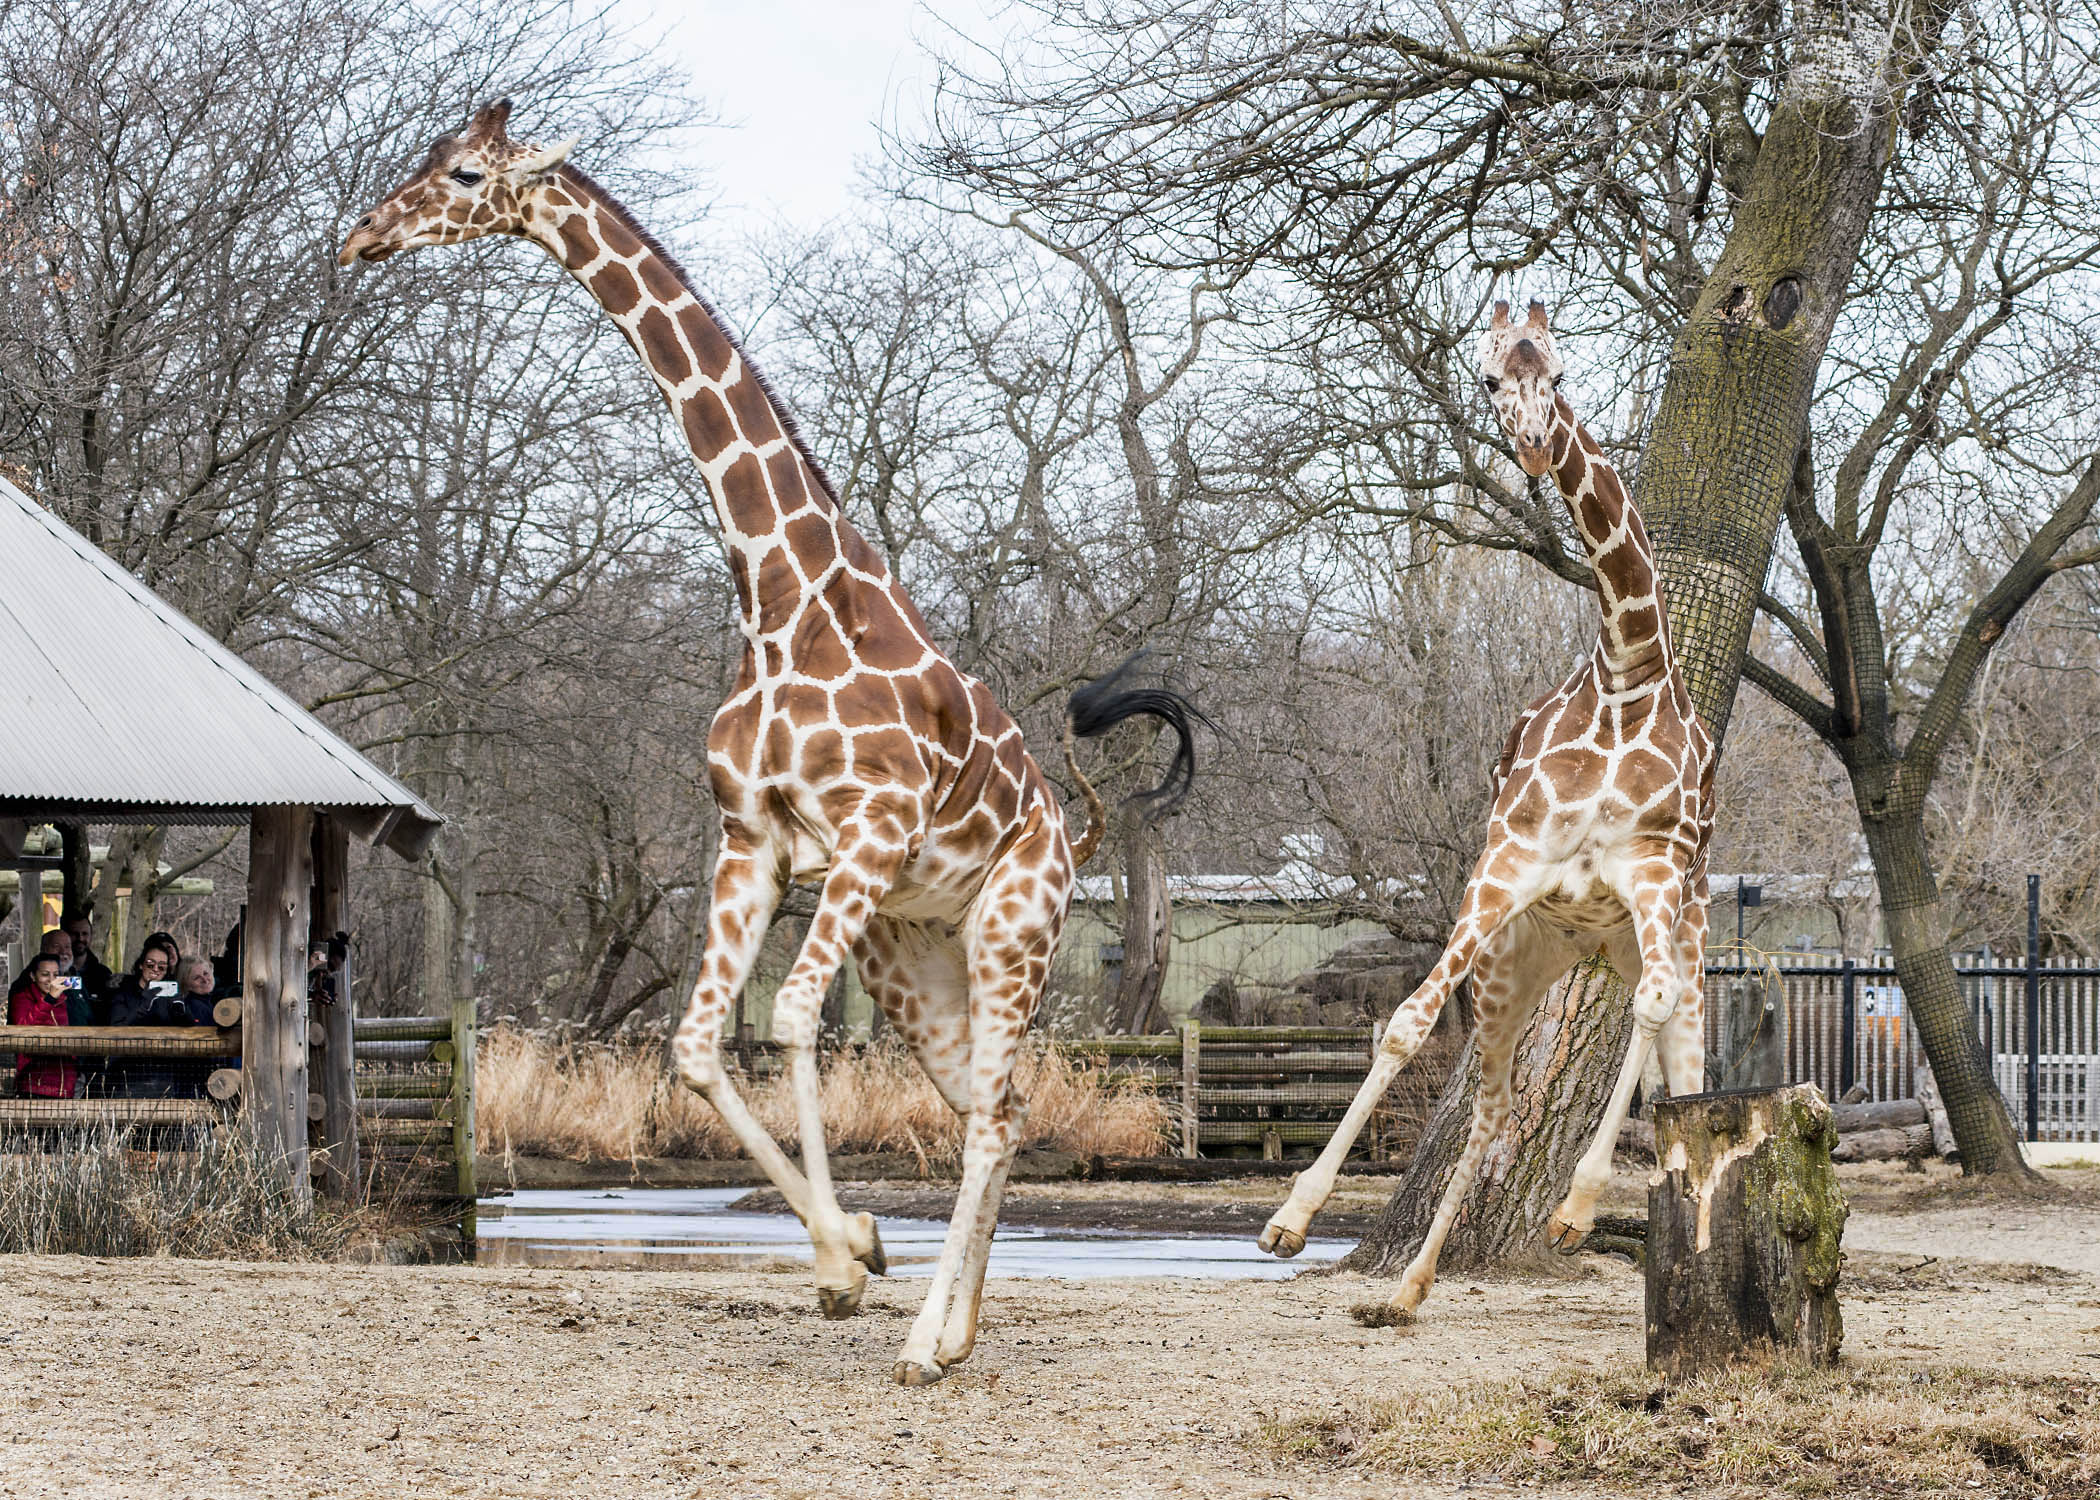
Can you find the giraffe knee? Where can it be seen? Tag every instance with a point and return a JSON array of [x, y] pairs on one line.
[[1652, 1006], [698, 1062]]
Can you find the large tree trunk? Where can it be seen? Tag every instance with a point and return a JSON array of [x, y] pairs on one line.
[[1148, 925], [1713, 480], [1560, 1095], [1983, 1127], [1720, 455]]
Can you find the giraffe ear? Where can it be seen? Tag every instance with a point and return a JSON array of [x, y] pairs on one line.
[[488, 124], [1537, 318], [545, 158], [1501, 317]]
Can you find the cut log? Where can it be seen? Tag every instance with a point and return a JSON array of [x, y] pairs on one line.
[[223, 1084], [1896, 1114], [1943, 1140], [226, 1011], [1911, 1143], [1745, 1220]]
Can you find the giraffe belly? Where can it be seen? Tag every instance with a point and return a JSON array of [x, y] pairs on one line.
[[1576, 899]]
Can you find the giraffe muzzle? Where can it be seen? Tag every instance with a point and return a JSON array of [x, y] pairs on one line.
[[1535, 457], [366, 243]]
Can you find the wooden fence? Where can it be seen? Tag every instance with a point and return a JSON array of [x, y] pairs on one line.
[[1267, 1086], [414, 1088]]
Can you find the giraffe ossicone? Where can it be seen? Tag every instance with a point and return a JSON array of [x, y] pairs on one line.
[[851, 752], [1603, 809]]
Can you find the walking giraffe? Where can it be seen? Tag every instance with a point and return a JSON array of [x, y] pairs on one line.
[[1603, 805], [851, 752]]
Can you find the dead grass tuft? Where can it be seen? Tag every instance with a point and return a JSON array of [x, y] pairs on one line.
[[541, 1097], [1877, 1426], [222, 1197]]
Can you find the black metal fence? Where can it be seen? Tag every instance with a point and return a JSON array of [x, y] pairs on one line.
[[1847, 1024]]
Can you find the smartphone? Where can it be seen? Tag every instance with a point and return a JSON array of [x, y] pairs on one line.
[[70, 981], [163, 989]]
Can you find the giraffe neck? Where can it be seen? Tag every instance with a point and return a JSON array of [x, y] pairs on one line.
[[780, 522], [1633, 643]]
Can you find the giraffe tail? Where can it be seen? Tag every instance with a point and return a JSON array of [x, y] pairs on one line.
[[1097, 707]]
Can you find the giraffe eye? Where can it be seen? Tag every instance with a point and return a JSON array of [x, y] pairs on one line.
[[466, 176], [1556, 382], [1493, 385]]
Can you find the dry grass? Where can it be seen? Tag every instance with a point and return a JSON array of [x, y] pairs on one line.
[[547, 1098], [1874, 1427], [95, 1192]]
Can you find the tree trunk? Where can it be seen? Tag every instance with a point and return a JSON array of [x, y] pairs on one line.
[[1148, 925], [1718, 459], [1983, 1127], [1744, 1223], [1561, 1087]]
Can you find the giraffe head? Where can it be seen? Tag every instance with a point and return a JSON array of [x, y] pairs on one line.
[[471, 184], [1520, 371]]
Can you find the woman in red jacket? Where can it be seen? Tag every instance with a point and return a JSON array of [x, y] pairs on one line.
[[40, 1000]]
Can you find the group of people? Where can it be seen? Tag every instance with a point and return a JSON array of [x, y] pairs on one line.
[[67, 985]]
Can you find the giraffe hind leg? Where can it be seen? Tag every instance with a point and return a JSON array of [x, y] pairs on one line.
[[1008, 941]]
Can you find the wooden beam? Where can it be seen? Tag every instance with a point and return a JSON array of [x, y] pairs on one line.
[[76, 1113], [337, 1132], [273, 1011], [126, 1041]]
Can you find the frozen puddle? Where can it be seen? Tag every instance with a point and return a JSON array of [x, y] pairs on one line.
[[677, 1229]]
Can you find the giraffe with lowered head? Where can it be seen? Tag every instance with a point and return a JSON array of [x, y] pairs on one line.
[[1597, 839], [851, 753]]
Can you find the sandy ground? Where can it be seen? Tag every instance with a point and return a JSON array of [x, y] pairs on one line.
[[169, 1378]]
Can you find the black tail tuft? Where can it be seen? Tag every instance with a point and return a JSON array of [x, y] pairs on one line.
[[1100, 705]]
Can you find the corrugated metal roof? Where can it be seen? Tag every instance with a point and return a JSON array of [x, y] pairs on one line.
[[91, 664]]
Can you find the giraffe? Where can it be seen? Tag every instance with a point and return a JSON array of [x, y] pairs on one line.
[[851, 753], [1603, 804]]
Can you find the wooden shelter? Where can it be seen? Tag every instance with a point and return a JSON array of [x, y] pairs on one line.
[[73, 752]]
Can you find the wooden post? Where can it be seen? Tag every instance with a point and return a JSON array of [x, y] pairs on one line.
[[463, 1111], [1191, 1082], [1744, 1224], [273, 1012], [337, 1131]]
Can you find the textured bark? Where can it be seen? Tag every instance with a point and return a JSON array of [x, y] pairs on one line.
[[1719, 459], [1983, 1127], [1561, 1088], [273, 1000], [1744, 1225]]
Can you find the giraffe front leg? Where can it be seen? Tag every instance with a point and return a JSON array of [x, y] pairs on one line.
[[1655, 905], [863, 869], [1485, 909], [745, 891], [1515, 970]]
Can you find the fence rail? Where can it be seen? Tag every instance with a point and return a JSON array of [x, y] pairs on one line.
[[1266, 1086], [1848, 1023]]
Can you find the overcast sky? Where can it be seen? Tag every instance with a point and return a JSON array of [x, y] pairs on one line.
[[801, 85]]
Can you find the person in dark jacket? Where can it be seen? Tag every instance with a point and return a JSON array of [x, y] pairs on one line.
[[149, 996], [94, 975], [41, 1001]]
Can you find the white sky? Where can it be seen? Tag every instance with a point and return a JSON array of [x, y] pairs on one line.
[[801, 85]]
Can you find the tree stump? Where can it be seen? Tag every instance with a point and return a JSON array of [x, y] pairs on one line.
[[1744, 1223]]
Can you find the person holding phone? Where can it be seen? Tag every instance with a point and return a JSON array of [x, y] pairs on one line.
[[148, 996], [40, 1000]]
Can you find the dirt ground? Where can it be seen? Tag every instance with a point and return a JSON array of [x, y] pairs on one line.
[[205, 1379]]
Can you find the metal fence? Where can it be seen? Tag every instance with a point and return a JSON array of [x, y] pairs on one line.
[[1847, 1023]]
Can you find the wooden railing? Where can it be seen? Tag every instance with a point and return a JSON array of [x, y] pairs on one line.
[[1271, 1086]]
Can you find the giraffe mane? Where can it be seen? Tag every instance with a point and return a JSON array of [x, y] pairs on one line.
[[634, 226]]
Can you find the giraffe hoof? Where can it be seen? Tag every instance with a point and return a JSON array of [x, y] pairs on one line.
[[911, 1372], [1383, 1314], [859, 1228], [1280, 1242], [1563, 1236], [839, 1302]]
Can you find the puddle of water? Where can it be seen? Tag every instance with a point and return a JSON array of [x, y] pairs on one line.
[[682, 1229]]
